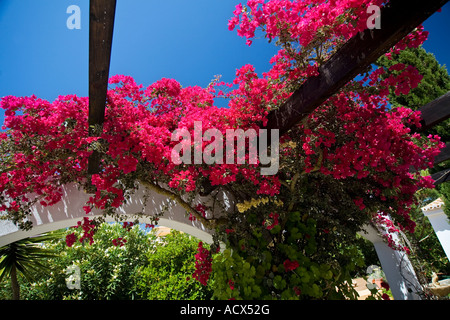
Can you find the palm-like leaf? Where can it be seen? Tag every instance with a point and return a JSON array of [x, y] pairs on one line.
[[26, 255]]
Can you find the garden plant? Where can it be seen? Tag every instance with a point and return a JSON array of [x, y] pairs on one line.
[[354, 161]]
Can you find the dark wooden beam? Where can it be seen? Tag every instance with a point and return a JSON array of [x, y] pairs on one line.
[[444, 175], [441, 176], [443, 155], [398, 19], [101, 26], [435, 112]]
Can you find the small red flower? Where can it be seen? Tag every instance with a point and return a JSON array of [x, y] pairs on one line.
[[70, 239], [290, 265], [203, 264], [274, 217], [87, 209], [128, 225], [385, 285], [119, 242], [201, 208]]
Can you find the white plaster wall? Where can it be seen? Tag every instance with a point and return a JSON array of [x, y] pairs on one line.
[[69, 211]]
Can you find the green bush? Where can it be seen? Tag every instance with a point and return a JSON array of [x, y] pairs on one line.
[[107, 271], [167, 274], [291, 267]]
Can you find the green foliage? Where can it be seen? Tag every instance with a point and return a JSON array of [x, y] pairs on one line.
[[23, 260], [143, 268], [444, 190], [290, 265], [28, 256], [234, 277], [167, 274], [428, 255], [106, 271], [435, 83]]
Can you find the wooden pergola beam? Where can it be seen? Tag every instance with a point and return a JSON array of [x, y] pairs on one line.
[[443, 155], [441, 176], [398, 19], [432, 114], [435, 112], [101, 26]]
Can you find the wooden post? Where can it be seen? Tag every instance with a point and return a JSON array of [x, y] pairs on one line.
[[101, 26]]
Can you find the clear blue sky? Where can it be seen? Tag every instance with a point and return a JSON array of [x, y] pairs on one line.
[[185, 40]]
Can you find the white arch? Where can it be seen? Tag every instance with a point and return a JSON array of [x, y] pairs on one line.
[[69, 211]]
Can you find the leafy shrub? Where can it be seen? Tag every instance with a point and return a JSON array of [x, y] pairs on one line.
[[167, 274]]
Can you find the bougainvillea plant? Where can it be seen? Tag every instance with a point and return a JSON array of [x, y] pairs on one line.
[[292, 234]]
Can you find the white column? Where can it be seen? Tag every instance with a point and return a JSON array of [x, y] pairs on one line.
[[396, 266], [440, 223]]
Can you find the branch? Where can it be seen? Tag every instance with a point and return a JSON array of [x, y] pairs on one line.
[[209, 223], [298, 175]]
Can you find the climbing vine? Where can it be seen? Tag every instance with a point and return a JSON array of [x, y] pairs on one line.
[[289, 235]]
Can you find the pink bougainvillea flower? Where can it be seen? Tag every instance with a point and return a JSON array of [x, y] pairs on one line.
[[203, 265], [352, 135]]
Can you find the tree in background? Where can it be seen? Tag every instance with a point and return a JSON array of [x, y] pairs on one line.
[[434, 84], [428, 254], [435, 81], [27, 257]]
